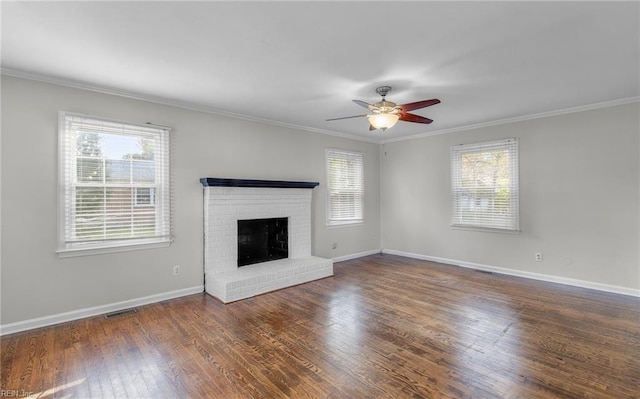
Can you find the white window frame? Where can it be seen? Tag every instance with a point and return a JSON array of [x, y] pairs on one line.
[[69, 244], [490, 216], [352, 213]]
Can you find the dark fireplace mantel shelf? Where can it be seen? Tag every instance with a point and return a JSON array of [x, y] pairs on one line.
[[219, 182]]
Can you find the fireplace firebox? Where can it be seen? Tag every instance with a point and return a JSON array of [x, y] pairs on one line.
[[262, 240]]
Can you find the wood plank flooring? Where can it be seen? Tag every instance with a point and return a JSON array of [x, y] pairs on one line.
[[383, 327]]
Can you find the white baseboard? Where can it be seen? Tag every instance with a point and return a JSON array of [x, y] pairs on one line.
[[94, 311], [518, 273], [98, 310], [356, 255]]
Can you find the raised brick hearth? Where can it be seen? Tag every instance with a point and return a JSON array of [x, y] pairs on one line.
[[225, 202]]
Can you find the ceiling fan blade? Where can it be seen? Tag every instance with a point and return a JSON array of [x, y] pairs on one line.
[[419, 104], [365, 105], [407, 117], [345, 117]]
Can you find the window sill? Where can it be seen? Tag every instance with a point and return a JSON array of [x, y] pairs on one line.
[[485, 229], [113, 248], [345, 224]]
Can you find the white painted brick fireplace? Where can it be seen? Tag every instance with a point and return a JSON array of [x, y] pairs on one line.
[[225, 202]]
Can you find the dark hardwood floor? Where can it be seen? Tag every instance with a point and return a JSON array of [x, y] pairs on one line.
[[383, 327]]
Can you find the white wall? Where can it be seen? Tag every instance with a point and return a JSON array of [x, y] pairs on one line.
[[36, 283], [580, 195], [579, 190]]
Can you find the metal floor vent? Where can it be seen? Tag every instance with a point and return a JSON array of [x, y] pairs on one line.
[[483, 271], [120, 313]]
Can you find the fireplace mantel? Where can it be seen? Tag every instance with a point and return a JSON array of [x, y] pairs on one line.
[[220, 182]]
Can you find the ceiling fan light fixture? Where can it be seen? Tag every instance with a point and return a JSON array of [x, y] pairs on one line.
[[383, 120], [385, 113]]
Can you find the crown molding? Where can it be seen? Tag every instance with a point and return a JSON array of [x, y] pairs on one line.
[[521, 118], [193, 107], [173, 103]]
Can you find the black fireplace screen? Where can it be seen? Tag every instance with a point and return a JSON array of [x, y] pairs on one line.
[[262, 240]]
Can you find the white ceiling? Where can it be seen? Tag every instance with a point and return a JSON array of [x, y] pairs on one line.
[[299, 63]]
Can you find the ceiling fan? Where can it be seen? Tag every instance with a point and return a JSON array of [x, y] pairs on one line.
[[386, 113]]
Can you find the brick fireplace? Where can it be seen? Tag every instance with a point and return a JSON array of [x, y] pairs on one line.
[[227, 201]]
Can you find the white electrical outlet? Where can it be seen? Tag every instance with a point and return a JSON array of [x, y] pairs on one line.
[[177, 270], [538, 256]]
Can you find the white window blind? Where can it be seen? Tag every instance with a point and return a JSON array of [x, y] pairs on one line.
[[485, 185], [114, 185], [345, 192]]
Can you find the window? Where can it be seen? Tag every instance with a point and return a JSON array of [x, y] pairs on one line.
[[345, 190], [114, 180], [485, 185]]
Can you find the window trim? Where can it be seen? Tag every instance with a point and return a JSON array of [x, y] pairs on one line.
[[510, 145], [350, 222], [82, 248]]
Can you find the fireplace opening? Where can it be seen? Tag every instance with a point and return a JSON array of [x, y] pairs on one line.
[[262, 240]]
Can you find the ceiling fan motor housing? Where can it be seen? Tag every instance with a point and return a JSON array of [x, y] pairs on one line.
[[385, 106]]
